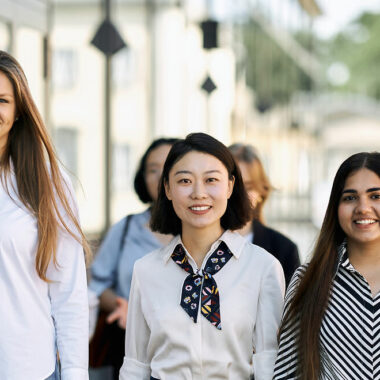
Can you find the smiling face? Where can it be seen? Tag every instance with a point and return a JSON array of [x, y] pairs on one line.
[[7, 110], [199, 188], [359, 208]]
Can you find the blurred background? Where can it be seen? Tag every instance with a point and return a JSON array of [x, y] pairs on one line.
[[298, 79]]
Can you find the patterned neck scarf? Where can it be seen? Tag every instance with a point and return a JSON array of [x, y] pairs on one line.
[[202, 285]]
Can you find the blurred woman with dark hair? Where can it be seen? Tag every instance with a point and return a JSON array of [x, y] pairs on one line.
[[43, 287], [208, 305], [128, 240], [259, 187], [330, 326]]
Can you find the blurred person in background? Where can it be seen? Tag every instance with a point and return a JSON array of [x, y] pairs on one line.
[[128, 240], [43, 290], [330, 326], [259, 187], [208, 305]]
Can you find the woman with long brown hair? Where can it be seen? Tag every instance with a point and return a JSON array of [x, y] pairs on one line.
[[331, 316], [42, 268], [256, 231]]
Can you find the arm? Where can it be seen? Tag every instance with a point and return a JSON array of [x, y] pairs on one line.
[[104, 267], [286, 362], [267, 321], [136, 365], [69, 308]]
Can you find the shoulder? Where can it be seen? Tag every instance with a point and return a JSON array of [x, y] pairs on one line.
[[260, 259], [143, 266], [294, 282]]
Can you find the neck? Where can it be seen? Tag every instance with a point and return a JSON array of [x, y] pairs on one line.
[[198, 241], [364, 254]]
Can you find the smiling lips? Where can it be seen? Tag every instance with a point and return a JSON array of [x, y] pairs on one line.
[[365, 221], [199, 209]]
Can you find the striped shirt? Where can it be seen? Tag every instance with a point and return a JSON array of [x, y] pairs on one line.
[[350, 329]]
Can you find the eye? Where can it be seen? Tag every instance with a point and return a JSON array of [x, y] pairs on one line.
[[212, 179], [3, 100], [375, 196], [184, 180], [348, 198]]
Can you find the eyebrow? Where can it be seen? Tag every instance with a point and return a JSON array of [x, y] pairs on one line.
[[355, 191], [3, 95], [189, 172]]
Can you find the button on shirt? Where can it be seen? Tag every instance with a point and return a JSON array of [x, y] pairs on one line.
[[34, 314], [162, 340], [349, 335]]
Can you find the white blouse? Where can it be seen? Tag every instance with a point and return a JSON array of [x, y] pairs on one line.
[[161, 339], [35, 315]]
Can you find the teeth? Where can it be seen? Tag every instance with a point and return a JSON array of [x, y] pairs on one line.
[[201, 208], [365, 221]]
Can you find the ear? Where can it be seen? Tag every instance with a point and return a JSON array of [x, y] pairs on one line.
[[167, 190], [231, 183]]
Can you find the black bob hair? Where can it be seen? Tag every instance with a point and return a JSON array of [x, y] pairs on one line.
[[239, 209], [139, 182]]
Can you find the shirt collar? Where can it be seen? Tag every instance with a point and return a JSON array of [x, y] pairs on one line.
[[234, 241], [343, 260]]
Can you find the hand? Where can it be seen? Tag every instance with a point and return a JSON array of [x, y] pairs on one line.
[[120, 313]]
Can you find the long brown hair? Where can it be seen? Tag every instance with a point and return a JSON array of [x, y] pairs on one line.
[[247, 153], [311, 297], [40, 185]]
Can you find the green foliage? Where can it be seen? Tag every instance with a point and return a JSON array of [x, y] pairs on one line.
[[271, 72], [358, 47]]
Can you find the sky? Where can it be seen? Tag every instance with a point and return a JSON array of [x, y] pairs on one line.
[[337, 13]]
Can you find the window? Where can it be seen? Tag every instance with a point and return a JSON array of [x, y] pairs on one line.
[[66, 144], [4, 36], [121, 174], [64, 68]]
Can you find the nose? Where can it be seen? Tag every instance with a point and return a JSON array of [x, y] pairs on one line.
[[199, 190], [363, 206]]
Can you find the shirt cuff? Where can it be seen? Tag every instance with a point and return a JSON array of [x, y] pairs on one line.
[[74, 374], [263, 364], [134, 370]]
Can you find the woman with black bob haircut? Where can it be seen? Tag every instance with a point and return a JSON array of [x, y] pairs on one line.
[[239, 210], [331, 316], [208, 305], [128, 240]]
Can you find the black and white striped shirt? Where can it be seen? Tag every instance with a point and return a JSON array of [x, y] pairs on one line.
[[350, 329]]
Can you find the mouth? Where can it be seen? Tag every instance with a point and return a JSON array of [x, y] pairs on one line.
[[365, 222], [199, 209]]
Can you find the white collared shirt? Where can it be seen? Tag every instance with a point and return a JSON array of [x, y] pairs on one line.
[[36, 315], [161, 339]]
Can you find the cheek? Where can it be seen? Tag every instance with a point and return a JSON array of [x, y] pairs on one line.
[[179, 196], [344, 216]]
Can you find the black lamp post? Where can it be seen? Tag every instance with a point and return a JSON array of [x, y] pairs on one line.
[[109, 41]]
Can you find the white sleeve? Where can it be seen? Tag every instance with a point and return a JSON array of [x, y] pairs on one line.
[[69, 302], [268, 319], [136, 365]]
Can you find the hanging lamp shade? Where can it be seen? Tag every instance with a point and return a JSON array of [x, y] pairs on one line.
[[107, 38], [210, 34], [208, 85]]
